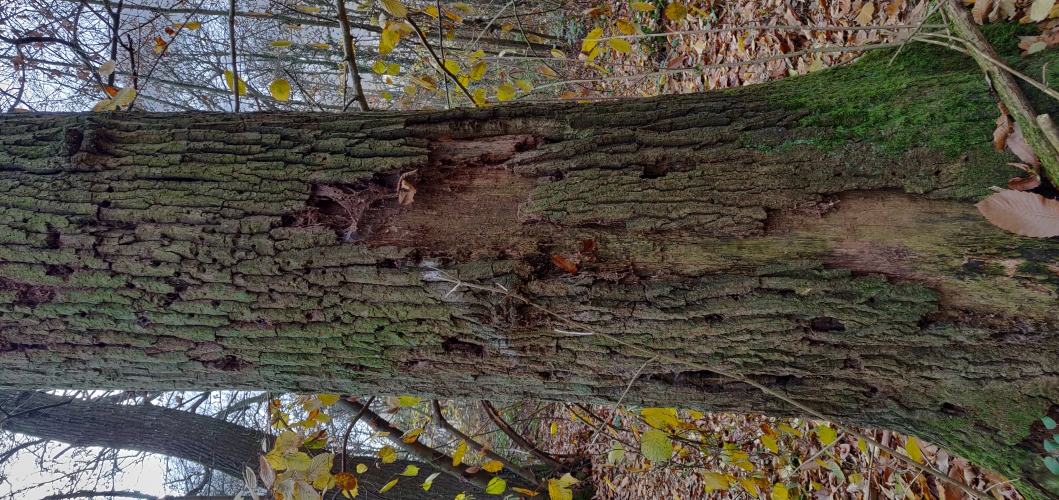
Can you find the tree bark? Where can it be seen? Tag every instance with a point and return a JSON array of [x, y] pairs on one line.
[[211, 442], [816, 235]]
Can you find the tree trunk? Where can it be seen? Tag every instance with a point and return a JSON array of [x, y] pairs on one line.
[[816, 235], [211, 442]]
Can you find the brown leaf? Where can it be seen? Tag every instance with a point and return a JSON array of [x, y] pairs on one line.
[[564, 264], [1003, 128], [588, 246], [981, 10], [405, 190], [1024, 183], [473, 470], [1016, 142], [1022, 213]]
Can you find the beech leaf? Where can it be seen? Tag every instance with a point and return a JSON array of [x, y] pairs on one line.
[[564, 264], [1022, 213], [656, 446], [1016, 142], [1040, 8], [280, 90], [107, 68]]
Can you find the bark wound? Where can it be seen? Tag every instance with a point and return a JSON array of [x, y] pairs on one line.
[[466, 201]]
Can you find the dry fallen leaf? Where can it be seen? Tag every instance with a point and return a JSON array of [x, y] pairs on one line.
[[1022, 213], [1003, 128], [981, 10], [564, 264], [1025, 183], [405, 191], [588, 246], [1016, 142]]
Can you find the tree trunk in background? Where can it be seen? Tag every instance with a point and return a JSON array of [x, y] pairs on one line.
[[817, 235], [211, 442]]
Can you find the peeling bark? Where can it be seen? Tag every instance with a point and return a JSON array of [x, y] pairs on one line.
[[816, 235]]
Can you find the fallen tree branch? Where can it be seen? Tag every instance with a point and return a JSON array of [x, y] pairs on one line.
[[1004, 82]]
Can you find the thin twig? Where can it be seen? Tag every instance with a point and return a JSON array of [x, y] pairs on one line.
[[440, 63], [441, 44], [231, 42], [345, 439], [627, 387], [350, 55], [518, 438], [933, 10]]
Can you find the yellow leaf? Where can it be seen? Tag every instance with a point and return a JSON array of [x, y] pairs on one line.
[[320, 467], [457, 457], [862, 446], [477, 71], [556, 491], [410, 471], [866, 13], [291, 26], [912, 447], [479, 97], [281, 43], [558, 54], [411, 436], [770, 443], [393, 69], [660, 418], [394, 8], [123, 97], [620, 45], [816, 65], [386, 95], [286, 441], [361, 468], [307, 8], [555, 427], [826, 435], [388, 40], [431, 11], [525, 85], [715, 481], [389, 485], [790, 430], [642, 6], [379, 67], [496, 486], [507, 27], [591, 40], [321, 46], [303, 491], [546, 71], [656, 446], [456, 18], [505, 92], [625, 27], [748, 485], [779, 492], [462, 7], [461, 496], [451, 66], [275, 460], [492, 466], [280, 91], [298, 461], [676, 11], [193, 25], [101, 106], [430, 481], [387, 454], [524, 491]]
